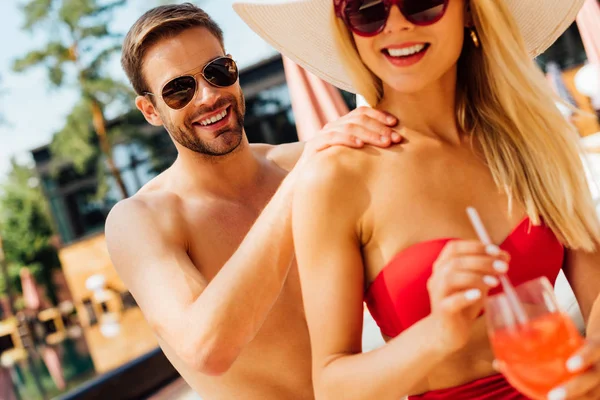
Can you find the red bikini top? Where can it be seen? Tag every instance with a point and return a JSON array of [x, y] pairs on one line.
[[398, 296]]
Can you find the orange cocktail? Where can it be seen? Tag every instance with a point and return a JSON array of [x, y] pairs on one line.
[[534, 353]]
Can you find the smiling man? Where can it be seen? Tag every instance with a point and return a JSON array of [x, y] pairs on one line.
[[206, 247]]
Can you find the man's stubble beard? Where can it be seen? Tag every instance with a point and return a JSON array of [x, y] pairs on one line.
[[228, 139]]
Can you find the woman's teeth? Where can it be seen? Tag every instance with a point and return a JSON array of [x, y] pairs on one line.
[[407, 51]]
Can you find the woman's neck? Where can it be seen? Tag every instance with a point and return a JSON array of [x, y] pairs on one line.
[[430, 111]]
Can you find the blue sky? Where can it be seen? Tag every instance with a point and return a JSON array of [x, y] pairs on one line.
[[34, 111]]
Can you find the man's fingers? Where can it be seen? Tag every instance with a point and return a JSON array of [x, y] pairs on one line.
[[362, 126], [339, 140], [359, 134], [381, 116], [370, 124], [361, 123]]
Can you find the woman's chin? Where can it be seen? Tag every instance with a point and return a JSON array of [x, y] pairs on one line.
[[405, 86]]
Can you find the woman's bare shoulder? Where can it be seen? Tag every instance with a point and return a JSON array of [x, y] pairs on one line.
[[338, 173]]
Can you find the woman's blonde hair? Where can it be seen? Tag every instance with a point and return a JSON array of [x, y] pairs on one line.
[[504, 101]]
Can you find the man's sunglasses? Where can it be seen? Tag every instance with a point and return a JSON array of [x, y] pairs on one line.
[[178, 92], [368, 17]]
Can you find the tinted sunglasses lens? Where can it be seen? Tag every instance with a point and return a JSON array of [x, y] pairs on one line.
[[423, 12], [179, 92], [366, 16], [221, 72]]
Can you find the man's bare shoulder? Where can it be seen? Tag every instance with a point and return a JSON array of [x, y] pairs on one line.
[[160, 212], [284, 155], [152, 208], [261, 149]]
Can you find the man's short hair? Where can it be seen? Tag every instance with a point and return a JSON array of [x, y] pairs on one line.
[[159, 23]]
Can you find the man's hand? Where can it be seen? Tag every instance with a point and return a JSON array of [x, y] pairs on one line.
[[360, 127], [363, 126]]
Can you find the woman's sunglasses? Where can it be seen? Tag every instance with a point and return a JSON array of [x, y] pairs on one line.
[[368, 17], [178, 92]]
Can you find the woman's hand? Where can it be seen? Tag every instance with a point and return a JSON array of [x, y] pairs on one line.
[[586, 385], [462, 276]]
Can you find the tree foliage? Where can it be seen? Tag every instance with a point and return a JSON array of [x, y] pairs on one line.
[[26, 228], [77, 54]]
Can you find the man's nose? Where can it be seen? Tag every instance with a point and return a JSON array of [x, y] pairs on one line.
[[207, 95]]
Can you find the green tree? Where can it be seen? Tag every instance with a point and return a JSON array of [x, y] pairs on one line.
[[26, 229], [76, 54]]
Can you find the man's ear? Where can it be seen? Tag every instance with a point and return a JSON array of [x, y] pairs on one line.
[[149, 110]]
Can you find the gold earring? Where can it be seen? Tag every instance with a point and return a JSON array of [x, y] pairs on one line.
[[474, 37]]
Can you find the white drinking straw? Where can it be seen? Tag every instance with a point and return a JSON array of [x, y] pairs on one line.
[[509, 290]]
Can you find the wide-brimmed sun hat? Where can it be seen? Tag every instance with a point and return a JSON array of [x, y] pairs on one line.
[[303, 30]]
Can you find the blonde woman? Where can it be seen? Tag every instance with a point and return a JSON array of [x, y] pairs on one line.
[[388, 226]]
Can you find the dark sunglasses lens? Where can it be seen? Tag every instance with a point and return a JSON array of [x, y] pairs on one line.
[[423, 11], [366, 16], [179, 92], [221, 72]]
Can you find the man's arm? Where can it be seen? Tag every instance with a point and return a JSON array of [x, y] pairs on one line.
[[207, 325]]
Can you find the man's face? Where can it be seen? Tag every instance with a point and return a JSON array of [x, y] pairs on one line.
[[192, 126]]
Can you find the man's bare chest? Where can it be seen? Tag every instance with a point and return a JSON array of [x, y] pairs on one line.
[[215, 232]]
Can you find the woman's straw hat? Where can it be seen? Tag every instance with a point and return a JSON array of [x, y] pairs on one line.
[[302, 30]]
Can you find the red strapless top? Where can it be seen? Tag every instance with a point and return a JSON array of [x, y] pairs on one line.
[[398, 296]]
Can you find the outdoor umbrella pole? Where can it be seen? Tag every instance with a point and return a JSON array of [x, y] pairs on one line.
[[13, 380], [29, 345]]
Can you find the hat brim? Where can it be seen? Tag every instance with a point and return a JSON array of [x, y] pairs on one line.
[[301, 30]]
